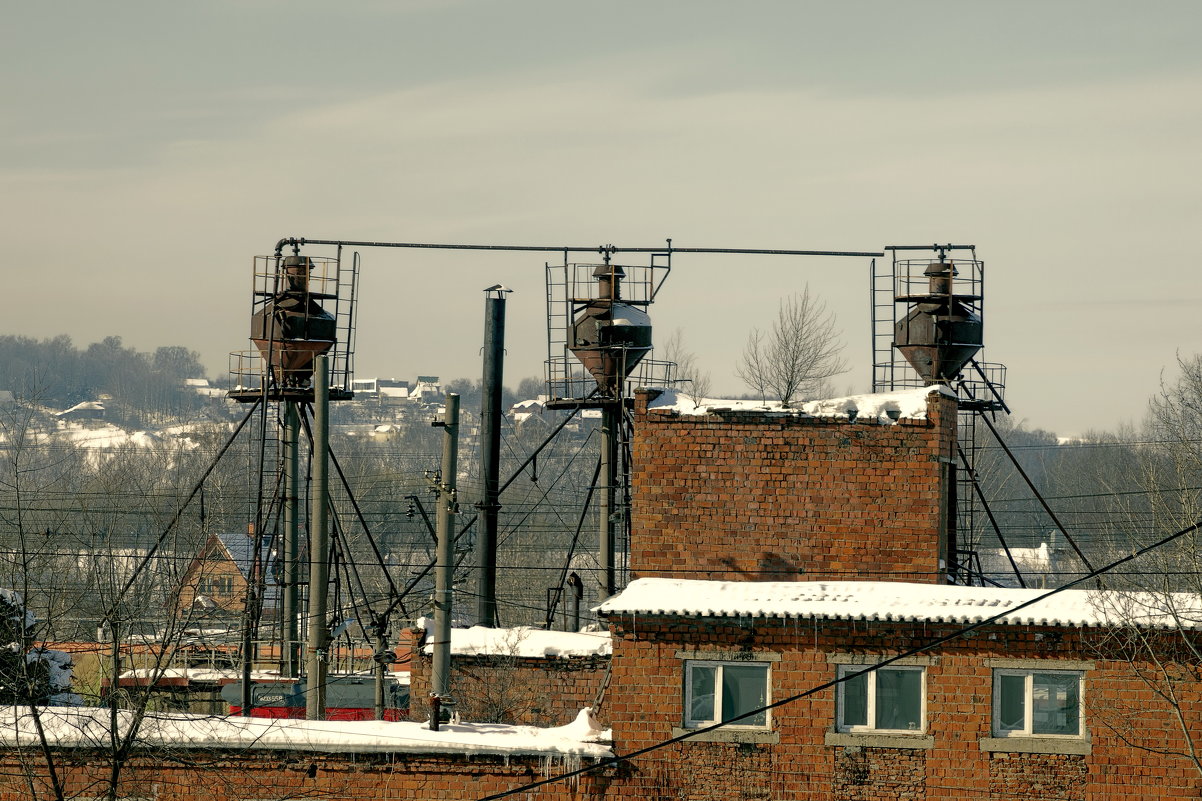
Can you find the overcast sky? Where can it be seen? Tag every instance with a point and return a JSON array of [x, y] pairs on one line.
[[149, 150]]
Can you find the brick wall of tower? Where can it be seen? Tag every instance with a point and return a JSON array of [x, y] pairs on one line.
[[779, 497]]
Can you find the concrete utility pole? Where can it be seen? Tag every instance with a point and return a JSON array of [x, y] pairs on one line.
[[490, 455], [291, 599], [319, 547], [576, 586], [383, 658], [444, 570]]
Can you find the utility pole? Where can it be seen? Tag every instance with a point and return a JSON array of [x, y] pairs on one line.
[[577, 589], [490, 455], [383, 658], [319, 547], [443, 588]]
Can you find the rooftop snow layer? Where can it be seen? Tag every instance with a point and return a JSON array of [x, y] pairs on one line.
[[897, 601], [524, 641], [880, 407], [89, 728]]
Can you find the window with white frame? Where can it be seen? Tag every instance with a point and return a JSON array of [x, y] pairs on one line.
[[888, 699], [718, 691], [1037, 703]]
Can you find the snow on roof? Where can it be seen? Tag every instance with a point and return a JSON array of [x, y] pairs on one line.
[[111, 436], [86, 406], [898, 601], [226, 675], [200, 674], [880, 407], [524, 641], [89, 728]]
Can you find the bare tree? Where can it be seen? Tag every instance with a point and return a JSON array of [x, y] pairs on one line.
[[687, 369], [1165, 585], [798, 355]]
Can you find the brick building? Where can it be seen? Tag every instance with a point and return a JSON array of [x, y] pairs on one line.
[[214, 584], [520, 675], [1049, 702]]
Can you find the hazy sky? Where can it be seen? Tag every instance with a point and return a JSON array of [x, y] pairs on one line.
[[149, 150]]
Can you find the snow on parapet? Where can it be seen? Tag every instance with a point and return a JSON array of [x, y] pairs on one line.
[[524, 641], [898, 601], [879, 407]]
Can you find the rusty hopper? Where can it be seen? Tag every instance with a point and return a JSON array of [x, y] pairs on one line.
[[941, 333], [610, 337], [292, 328]]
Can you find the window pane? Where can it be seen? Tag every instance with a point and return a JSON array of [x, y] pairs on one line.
[[701, 692], [899, 699], [1010, 712], [1055, 703], [854, 711], [744, 688]]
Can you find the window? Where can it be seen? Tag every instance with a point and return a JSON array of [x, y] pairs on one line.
[[1037, 703], [717, 691], [219, 585], [888, 699]]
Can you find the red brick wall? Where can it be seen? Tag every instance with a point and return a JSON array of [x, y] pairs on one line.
[[1124, 718], [507, 689], [263, 775], [761, 496]]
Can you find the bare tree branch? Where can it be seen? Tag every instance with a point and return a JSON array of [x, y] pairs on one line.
[[798, 355]]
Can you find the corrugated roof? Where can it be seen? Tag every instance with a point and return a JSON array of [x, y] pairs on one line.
[[897, 601]]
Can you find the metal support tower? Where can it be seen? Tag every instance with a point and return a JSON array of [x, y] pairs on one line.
[[979, 387]]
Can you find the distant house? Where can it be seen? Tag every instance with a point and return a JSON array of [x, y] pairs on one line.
[[202, 387], [373, 387], [1040, 567], [6, 398], [393, 395], [526, 409], [216, 581], [427, 389], [88, 410]]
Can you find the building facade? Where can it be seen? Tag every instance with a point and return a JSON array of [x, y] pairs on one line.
[[848, 517]]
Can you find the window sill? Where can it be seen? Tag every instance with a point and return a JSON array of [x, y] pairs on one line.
[[759, 736], [913, 741], [1036, 745]]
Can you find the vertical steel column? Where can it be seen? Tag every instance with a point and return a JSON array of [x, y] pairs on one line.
[[319, 547], [443, 589], [291, 599], [611, 418], [490, 457]]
